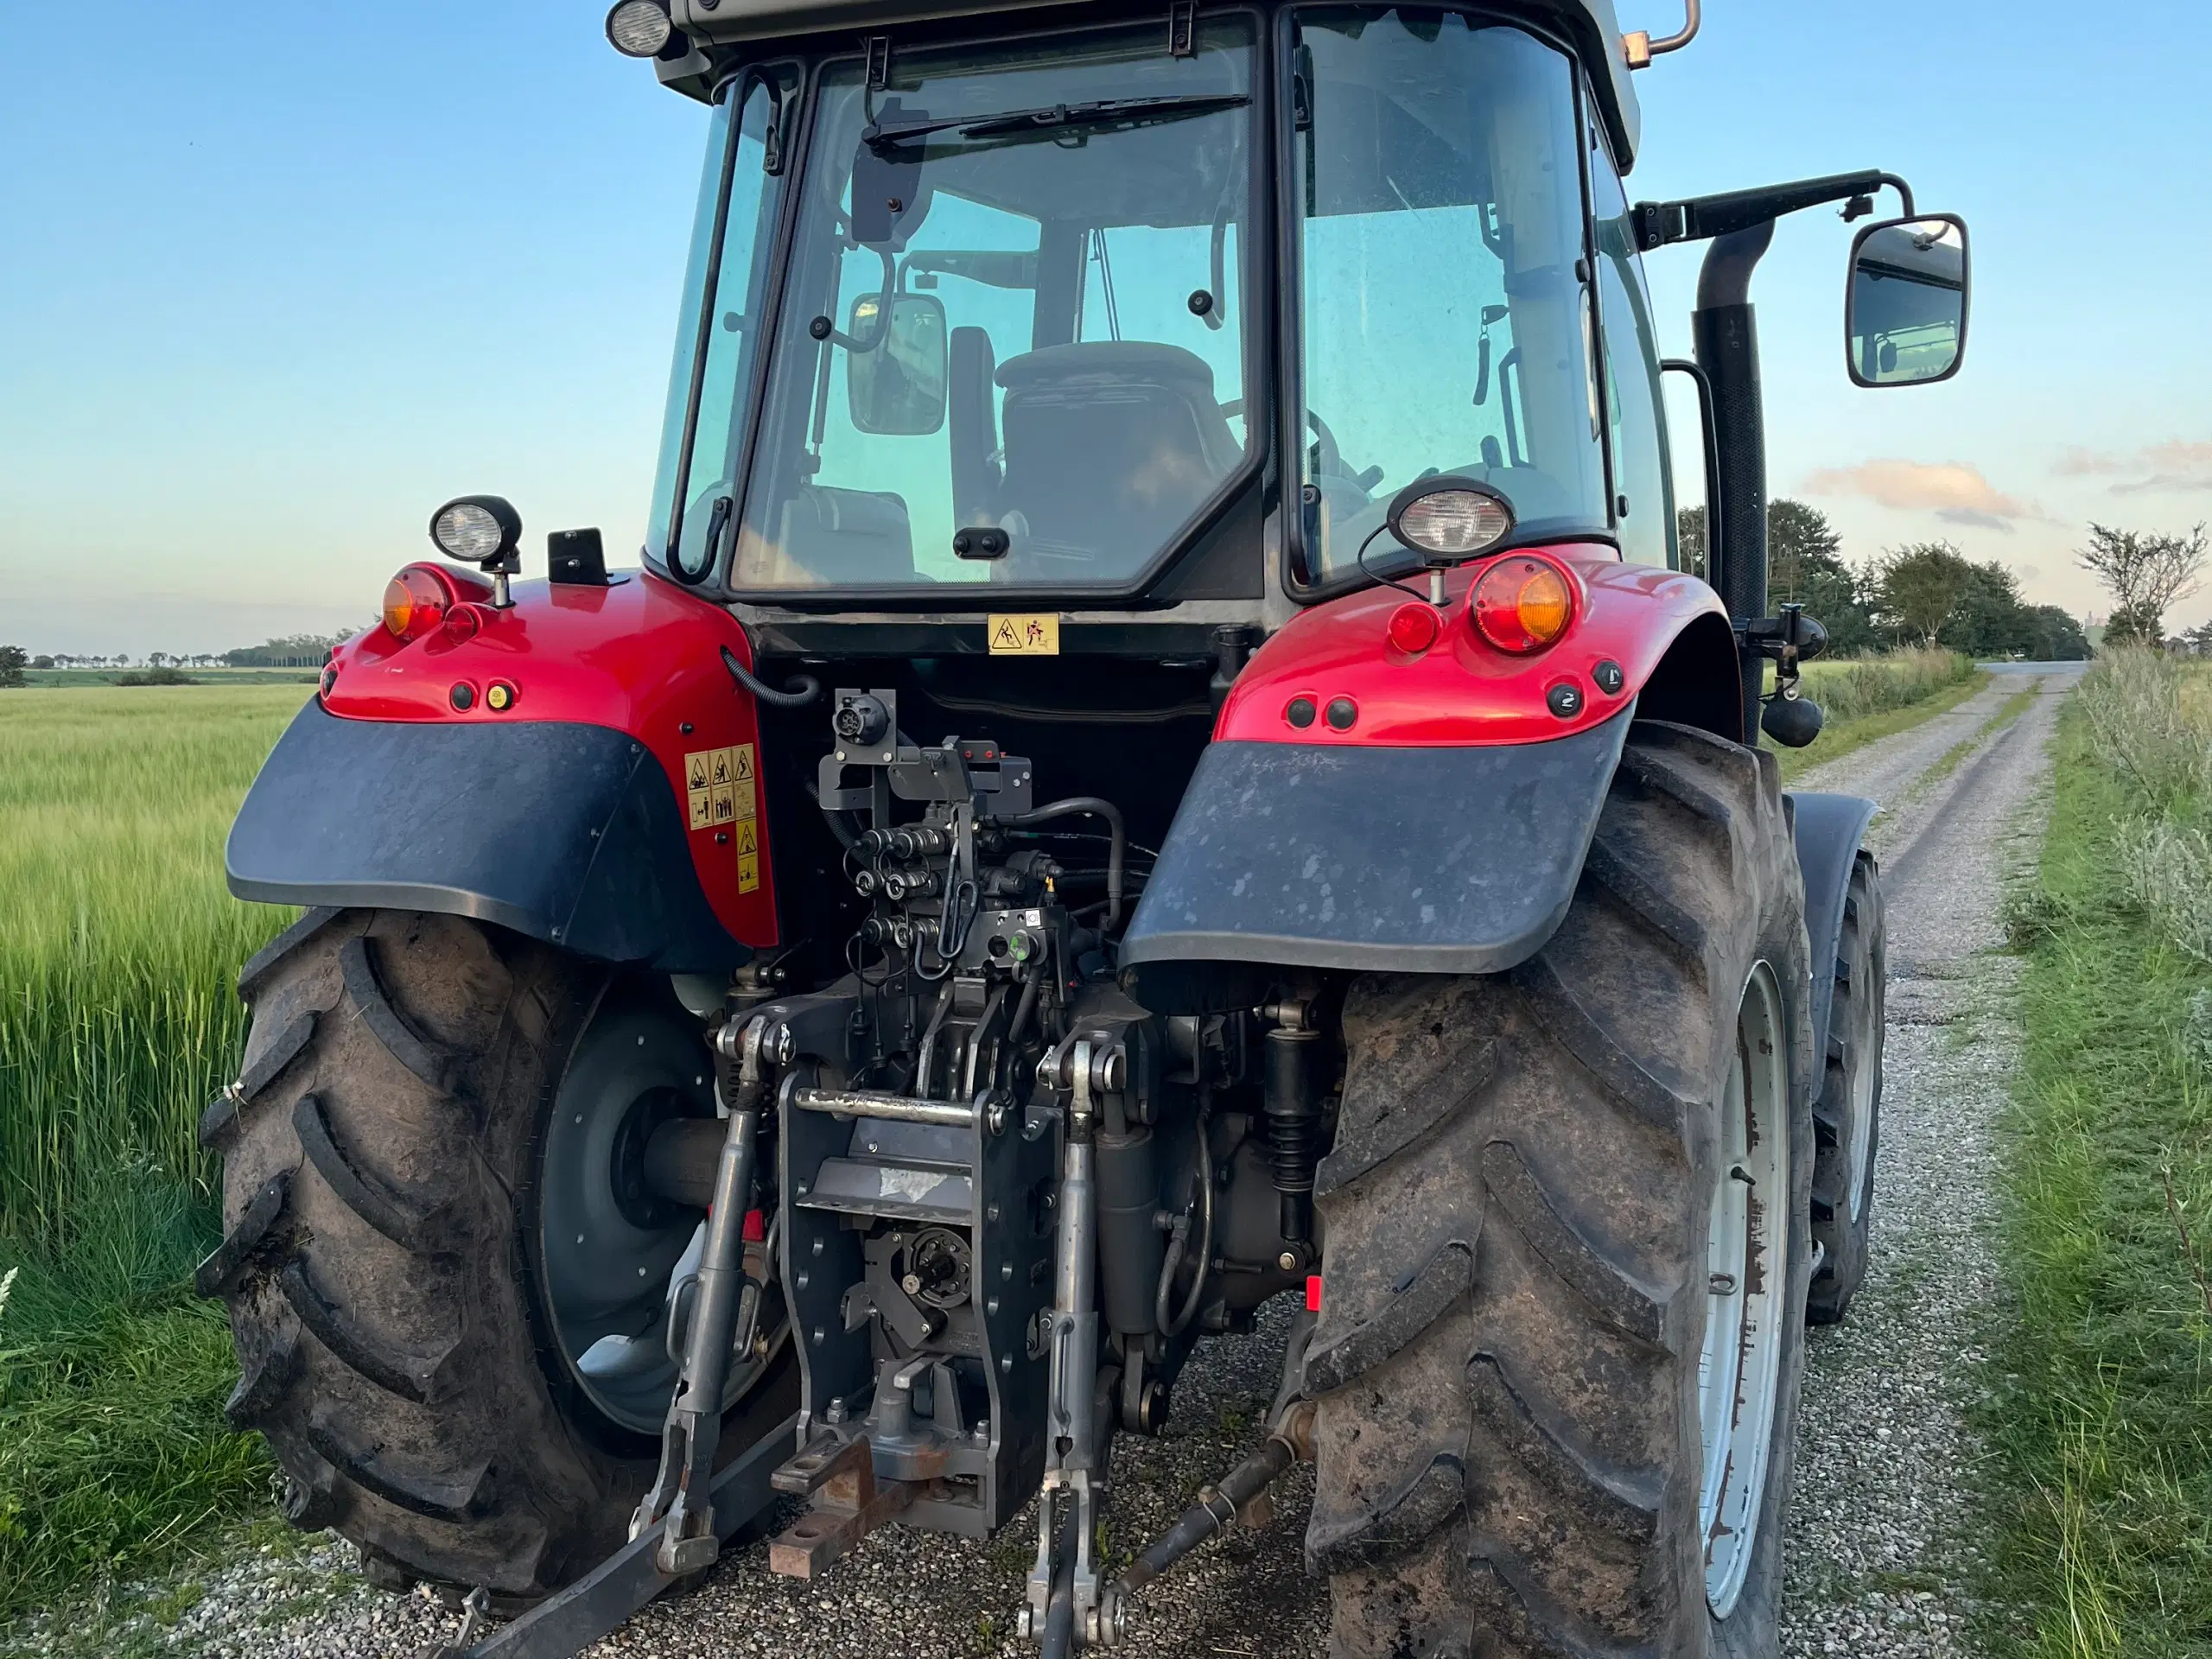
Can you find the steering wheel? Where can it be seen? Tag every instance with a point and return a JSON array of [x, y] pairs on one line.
[[1331, 459]]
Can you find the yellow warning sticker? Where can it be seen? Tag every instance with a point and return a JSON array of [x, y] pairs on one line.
[[748, 872], [721, 793], [1024, 636]]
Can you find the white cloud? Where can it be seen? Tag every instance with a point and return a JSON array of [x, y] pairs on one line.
[[1952, 490]]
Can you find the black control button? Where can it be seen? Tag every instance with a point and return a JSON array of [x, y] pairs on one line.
[[1564, 699], [1609, 677], [1342, 713], [1300, 712], [464, 696]]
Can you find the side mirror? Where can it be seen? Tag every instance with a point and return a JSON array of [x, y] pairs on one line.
[[1905, 316], [895, 366]]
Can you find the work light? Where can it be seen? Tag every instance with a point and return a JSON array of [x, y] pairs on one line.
[[640, 29], [476, 529], [1450, 518]]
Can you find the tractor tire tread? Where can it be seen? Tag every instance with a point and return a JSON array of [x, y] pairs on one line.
[[405, 1221], [228, 1262], [374, 1009], [1552, 1382]]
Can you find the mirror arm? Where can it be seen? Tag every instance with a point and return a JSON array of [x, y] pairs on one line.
[[1700, 218]]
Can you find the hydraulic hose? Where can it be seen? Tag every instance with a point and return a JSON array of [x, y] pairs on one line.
[[1179, 1243], [803, 689], [1117, 852]]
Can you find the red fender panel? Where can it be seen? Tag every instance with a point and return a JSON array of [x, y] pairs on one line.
[[639, 659], [1368, 807]]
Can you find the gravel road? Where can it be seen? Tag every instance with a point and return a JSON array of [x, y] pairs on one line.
[[1883, 1540]]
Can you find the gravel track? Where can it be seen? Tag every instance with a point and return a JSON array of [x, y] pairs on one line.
[[1882, 1545], [1885, 1544]]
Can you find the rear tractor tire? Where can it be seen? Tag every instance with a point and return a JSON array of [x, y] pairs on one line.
[[1563, 1309], [428, 1229]]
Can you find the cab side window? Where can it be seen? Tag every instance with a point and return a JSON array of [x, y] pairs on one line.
[[1643, 479]]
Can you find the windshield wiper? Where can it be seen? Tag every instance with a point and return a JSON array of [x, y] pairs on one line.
[[1056, 117]]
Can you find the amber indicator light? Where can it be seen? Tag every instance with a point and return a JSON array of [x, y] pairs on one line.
[[414, 601], [1522, 605]]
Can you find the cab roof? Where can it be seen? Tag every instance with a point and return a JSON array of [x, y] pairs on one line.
[[1589, 24]]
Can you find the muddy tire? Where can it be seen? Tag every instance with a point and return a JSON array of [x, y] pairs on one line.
[[1847, 1116], [392, 1175], [1531, 1177]]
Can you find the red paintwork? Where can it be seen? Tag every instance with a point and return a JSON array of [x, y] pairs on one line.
[[641, 655], [1464, 690]]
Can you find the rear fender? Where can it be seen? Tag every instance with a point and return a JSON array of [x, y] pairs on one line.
[[1442, 828], [611, 807]]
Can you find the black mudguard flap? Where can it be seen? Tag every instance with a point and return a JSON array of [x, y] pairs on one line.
[[569, 833], [1439, 860]]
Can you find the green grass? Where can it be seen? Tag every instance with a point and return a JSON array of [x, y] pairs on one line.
[[117, 1021], [1877, 697], [2099, 1413]]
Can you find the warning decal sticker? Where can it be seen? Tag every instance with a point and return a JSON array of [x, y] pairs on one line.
[[1023, 636], [721, 793]]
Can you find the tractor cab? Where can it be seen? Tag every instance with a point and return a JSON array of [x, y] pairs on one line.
[[1148, 316]]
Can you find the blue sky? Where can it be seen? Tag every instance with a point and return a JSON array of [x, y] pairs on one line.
[[276, 281]]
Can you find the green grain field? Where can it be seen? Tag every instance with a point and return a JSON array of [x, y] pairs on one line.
[[118, 946]]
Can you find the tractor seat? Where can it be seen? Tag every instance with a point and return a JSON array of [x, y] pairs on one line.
[[1109, 446], [833, 537]]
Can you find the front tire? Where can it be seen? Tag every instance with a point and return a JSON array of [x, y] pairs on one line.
[[409, 1129], [1848, 1117], [1531, 1176]]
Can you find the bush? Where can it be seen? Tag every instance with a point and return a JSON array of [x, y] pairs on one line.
[[156, 677]]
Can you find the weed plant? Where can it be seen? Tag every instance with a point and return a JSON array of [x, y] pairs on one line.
[[2101, 1404]]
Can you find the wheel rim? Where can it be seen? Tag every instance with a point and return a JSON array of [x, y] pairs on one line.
[[607, 1251], [1740, 1372]]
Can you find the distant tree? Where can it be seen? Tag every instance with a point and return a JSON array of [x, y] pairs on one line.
[[1916, 589], [2146, 573], [1989, 618], [293, 650], [2057, 635], [41, 663], [1804, 567], [1691, 540], [13, 660]]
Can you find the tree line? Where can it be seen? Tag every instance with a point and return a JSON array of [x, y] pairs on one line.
[[1924, 594]]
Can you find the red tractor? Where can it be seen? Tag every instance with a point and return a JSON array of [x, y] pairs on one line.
[[1162, 756]]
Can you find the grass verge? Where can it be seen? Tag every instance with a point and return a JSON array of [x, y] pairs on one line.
[[114, 1453], [2100, 1408]]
